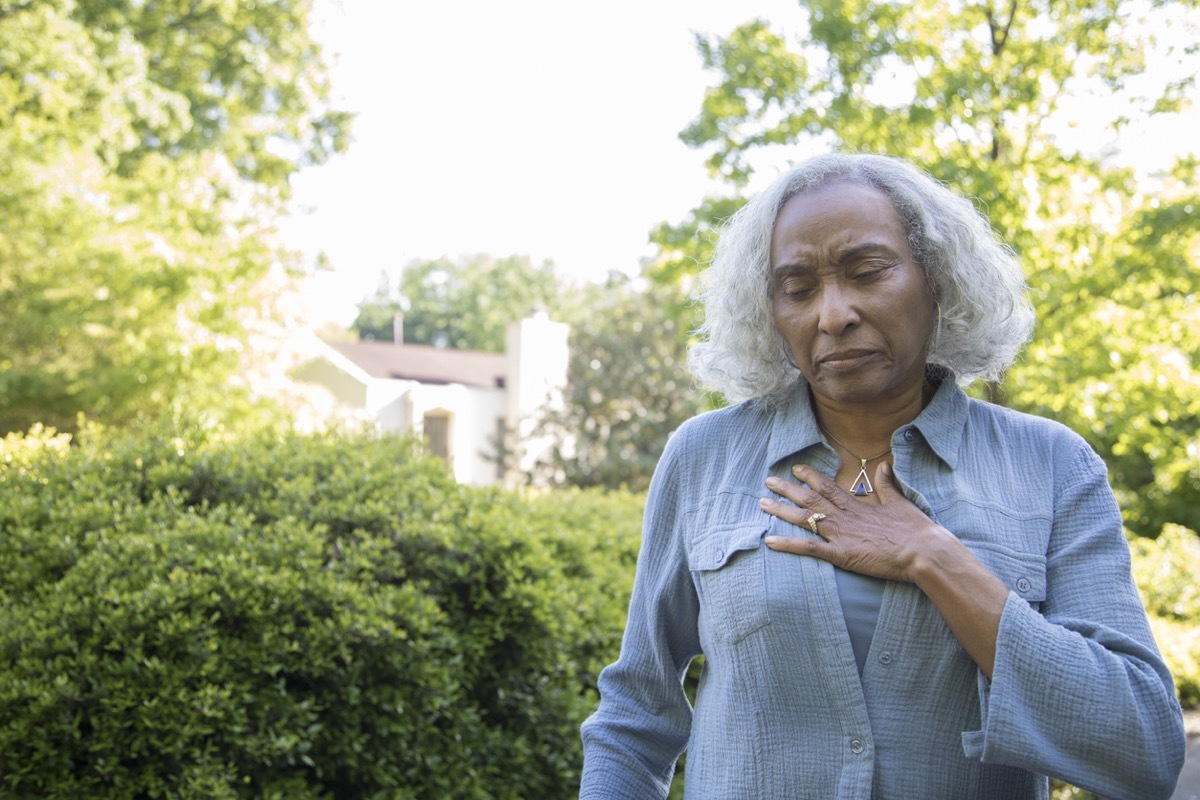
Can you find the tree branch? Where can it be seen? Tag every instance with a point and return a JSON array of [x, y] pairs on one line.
[[1000, 32]]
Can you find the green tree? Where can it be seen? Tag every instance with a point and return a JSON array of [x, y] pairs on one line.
[[147, 149], [466, 303], [976, 93], [628, 388]]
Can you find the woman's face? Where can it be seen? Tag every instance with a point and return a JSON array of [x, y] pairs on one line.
[[848, 298]]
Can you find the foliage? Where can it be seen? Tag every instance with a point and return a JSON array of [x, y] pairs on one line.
[[465, 304], [686, 248], [191, 613], [1116, 356], [145, 144], [980, 96], [1165, 570], [627, 389]]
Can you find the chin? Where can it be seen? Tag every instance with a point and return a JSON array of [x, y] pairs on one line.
[[842, 392], [857, 390]]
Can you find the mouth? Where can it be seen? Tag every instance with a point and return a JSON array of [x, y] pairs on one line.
[[845, 359]]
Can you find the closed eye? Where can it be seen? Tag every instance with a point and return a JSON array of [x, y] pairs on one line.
[[794, 287], [872, 270]]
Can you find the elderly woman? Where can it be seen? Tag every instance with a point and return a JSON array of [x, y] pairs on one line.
[[899, 591]]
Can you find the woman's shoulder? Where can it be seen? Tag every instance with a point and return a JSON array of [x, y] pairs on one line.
[[1039, 456], [713, 438], [722, 424], [1024, 430], [985, 410]]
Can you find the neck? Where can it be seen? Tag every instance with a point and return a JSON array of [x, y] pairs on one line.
[[867, 428]]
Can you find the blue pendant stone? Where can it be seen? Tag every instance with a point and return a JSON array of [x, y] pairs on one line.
[[861, 490]]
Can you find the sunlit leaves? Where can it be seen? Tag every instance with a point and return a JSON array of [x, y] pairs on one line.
[[147, 146], [465, 303]]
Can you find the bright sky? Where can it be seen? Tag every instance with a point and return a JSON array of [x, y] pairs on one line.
[[534, 127]]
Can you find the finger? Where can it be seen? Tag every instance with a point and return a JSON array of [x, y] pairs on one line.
[[801, 546], [823, 486], [798, 494], [787, 512]]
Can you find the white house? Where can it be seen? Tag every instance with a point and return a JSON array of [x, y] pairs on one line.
[[464, 403]]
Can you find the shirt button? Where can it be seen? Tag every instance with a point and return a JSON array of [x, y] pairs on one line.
[[856, 746], [909, 435], [885, 658], [717, 556], [1023, 585]]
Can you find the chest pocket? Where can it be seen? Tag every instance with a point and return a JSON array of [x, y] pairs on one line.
[[1013, 548], [1023, 573], [728, 566]]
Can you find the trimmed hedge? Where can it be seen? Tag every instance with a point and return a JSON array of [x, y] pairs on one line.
[[190, 615]]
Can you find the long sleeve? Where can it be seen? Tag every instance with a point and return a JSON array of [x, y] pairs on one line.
[[1079, 690], [632, 741]]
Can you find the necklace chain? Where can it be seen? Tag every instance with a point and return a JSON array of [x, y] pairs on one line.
[[862, 482], [864, 461]]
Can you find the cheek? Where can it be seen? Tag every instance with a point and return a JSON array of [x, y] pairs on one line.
[[788, 323], [794, 333], [919, 332], [780, 321]]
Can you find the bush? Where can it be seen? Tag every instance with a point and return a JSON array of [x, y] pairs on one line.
[[1166, 571], [190, 614]]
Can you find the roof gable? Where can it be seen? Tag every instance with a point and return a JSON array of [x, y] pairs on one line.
[[425, 364]]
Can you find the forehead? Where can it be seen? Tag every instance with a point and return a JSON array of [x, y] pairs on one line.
[[834, 217]]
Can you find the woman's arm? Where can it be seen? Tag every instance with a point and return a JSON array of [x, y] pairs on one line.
[[1079, 690], [634, 738]]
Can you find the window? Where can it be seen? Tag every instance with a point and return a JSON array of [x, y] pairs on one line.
[[502, 452], [437, 434]]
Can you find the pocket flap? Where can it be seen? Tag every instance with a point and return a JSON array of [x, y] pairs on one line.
[[715, 550], [1023, 573]]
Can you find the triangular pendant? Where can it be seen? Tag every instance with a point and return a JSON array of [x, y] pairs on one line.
[[862, 484]]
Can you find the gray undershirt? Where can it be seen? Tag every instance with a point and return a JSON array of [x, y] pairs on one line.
[[860, 597]]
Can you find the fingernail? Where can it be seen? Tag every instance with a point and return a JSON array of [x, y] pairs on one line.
[[765, 502], [797, 469]]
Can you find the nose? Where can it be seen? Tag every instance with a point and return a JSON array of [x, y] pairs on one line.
[[836, 310]]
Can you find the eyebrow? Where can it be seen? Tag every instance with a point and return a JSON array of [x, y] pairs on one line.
[[844, 257], [851, 253]]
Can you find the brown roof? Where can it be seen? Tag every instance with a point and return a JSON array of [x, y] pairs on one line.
[[418, 362]]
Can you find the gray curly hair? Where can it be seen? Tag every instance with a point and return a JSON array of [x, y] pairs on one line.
[[985, 315]]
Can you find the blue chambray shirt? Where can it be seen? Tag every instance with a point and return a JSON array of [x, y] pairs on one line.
[[1079, 690]]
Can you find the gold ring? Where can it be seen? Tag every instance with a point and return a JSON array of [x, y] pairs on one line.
[[812, 521]]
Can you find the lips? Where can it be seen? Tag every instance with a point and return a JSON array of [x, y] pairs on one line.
[[845, 359]]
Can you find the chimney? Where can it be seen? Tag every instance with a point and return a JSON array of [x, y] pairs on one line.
[[398, 328]]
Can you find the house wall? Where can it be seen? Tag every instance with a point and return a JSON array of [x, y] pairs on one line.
[[348, 390], [535, 374], [473, 413], [538, 359]]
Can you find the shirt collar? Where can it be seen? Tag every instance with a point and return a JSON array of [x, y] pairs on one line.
[[943, 420], [794, 427], [941, 423]]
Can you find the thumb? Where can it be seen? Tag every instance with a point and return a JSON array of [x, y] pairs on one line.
[[886, 482]]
